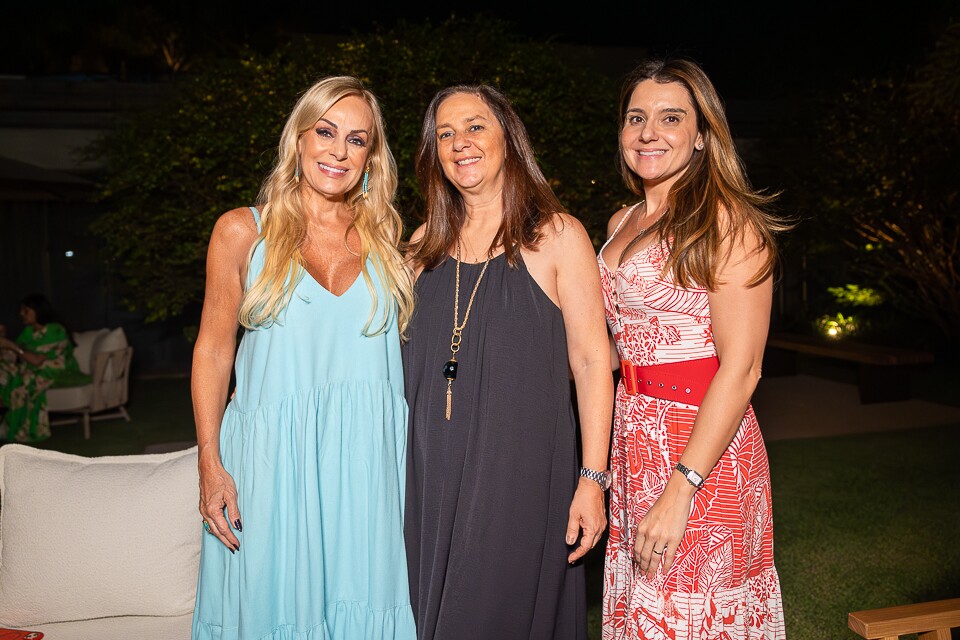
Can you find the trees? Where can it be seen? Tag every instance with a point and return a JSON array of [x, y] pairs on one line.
[[887, 188], [172, 170]]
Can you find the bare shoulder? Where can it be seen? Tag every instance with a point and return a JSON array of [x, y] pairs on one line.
[[233, 234], [564, 231], [234, 230], [737, 233], [236, 224], [417, 235]]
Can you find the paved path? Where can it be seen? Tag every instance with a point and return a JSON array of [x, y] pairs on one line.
[[805, 406]]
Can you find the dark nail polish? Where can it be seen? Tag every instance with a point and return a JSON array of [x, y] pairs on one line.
[[237, 525], [237, 547], [231, 550]]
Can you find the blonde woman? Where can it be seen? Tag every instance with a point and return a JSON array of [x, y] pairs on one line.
[[301, 475], [687, 280]]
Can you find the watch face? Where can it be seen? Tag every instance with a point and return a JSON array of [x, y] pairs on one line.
[[607, 480], [695, 477]]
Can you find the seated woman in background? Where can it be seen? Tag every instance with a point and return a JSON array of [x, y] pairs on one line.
[[43, 358]]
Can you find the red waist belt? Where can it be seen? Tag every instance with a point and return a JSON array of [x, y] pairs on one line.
[[684, 381]]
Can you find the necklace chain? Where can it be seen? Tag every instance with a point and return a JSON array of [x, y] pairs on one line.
[[450, 367], [643, 231], [458, 328], [636, 238]]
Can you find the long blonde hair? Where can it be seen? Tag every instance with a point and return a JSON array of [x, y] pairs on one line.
[[712, 204], [284, 229]]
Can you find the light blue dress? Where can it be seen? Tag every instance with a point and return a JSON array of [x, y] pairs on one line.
[[315, 439]]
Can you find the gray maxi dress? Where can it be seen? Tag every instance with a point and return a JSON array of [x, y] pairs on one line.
[[488, 492]]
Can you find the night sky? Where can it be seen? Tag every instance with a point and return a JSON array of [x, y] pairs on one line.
[[750, 49]]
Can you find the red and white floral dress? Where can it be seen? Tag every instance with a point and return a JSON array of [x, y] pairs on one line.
[[723, 584]]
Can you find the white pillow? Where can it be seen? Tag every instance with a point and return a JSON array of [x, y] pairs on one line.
[[86, 345], [113, 340], [84, 538]]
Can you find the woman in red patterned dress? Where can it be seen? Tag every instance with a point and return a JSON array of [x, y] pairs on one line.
[[687, 278]]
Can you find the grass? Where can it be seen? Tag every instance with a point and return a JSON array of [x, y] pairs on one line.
[[860, 521], [160, 411]]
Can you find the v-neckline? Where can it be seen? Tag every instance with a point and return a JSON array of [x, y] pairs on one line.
[[331, 293], [630, 259]]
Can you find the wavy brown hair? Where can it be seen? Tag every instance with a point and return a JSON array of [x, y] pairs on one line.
[[528, 200], [712, 204]]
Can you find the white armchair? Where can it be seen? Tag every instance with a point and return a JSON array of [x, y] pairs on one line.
[[105, 355]]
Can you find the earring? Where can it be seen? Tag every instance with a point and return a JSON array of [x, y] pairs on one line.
[[366, 182], [699, 146], [296, 173]]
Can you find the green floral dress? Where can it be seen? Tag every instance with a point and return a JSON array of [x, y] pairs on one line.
[[23, 386]]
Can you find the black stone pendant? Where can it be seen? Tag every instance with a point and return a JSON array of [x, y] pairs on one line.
[[450, 370]]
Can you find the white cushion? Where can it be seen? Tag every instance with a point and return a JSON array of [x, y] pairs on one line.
[[66, 398], [86, 343], [113, 340], [122, 628], [84, 538]]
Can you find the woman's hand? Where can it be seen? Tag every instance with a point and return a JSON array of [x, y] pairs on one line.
[[218, 492], [587, 514], [213, 357], [659, 533]]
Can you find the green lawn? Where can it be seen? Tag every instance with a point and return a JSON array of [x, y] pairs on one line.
[[860, 521]]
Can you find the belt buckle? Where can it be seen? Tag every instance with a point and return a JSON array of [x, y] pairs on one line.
[[631, 383]]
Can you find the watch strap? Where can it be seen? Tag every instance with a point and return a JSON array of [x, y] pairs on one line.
[[602, 478]]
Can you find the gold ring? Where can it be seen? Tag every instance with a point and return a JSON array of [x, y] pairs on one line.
[[206, 526]]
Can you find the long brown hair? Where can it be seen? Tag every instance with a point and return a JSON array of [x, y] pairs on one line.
[[712, 204], [528, 200]]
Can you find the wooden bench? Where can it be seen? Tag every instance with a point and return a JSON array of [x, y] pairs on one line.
[[884, 373], [931, 620]]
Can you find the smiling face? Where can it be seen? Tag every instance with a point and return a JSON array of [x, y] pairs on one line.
[[333, 154], [659, 135], [470, 144]]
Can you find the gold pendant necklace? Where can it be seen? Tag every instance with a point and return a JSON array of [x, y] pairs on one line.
[[450, 367]]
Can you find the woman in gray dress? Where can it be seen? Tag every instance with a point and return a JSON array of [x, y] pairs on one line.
[[500, 505]]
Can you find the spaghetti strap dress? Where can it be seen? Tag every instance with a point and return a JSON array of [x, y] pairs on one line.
[[723, 584], [315, 439], [489, 491]]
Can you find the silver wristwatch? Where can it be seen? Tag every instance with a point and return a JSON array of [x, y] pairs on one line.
[[602, 478], [692, 476]]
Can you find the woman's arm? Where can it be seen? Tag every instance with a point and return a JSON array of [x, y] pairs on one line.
[[54, 355], [34, 359], [741, 317], [213, 357], [581, 303]]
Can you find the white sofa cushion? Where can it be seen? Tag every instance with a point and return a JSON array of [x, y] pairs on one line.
[[120, 628], [84, 538], [67, 398], [86, 346]]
